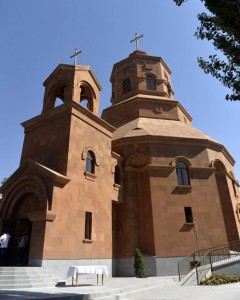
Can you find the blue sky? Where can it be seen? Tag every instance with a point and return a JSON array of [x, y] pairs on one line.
[[38, 35]]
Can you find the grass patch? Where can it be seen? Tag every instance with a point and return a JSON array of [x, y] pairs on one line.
[[217, 279]]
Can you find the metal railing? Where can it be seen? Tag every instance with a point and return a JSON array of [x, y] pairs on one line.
[[203, 267], [225, 254], [204, 260], [189, 262], [216, 257]]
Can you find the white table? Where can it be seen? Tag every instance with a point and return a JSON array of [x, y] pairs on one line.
[[73, 271]]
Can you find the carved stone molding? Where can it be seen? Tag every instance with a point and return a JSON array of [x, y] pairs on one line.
[[158, 109], [42, 216], [90, 148]]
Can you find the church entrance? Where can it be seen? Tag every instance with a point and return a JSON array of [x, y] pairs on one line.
[[21, 231], [22, 237]]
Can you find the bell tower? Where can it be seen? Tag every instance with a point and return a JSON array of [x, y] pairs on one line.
[[72, 83], [50, 136]]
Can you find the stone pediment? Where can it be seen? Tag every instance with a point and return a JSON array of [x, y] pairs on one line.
[[31, 167]]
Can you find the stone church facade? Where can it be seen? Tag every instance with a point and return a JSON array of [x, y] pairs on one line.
[[91, 189]]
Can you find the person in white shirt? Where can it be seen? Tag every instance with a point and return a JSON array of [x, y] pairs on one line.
[[4, 243]]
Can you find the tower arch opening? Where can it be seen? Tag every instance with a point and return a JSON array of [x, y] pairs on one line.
[[87, 96]]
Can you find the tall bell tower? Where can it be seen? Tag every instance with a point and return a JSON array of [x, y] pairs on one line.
[[59, 186], [48, 136]]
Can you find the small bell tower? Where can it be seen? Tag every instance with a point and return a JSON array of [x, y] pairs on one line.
[[72, 83], [49, 137]]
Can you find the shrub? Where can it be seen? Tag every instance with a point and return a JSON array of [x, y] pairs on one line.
[[216, 279], [139, 267]]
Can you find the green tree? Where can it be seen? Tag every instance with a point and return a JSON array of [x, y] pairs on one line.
[[3, 181], [222, 28], [139, 267]]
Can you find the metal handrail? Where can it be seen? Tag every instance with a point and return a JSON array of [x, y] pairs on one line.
[[189, 262], [224, 253]]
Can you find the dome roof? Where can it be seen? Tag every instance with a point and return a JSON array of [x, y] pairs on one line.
[[161, 128]]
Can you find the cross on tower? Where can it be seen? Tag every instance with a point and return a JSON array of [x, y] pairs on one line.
[[136, 39], [75, 56]]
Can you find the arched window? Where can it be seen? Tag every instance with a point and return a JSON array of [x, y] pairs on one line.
[[117, 175], [127, 86], [182, 173], [150, 82], [234, 187], [90, 162], [169, 90]]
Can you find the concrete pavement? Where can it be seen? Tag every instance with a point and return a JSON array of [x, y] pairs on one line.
[[161, 288]]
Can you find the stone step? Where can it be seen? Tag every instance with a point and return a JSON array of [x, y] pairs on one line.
[[25, 277], [25, 274], [26, 285], [22, 268], [18, 271]]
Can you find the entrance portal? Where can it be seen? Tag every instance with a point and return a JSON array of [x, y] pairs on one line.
[[23, 226]]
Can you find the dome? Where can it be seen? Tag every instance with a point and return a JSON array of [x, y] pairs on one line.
[[160, 128]]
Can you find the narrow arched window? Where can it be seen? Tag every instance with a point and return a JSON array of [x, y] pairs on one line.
[[182, 173], [90, 162], [234, 187], [169, 90], [117, 175], [127, 86], [88, 225], [150, 82]]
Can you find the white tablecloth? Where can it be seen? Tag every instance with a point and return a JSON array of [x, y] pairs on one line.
[[100, 270]]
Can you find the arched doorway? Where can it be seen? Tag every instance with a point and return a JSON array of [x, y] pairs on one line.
[[26, 204], [24, 207]]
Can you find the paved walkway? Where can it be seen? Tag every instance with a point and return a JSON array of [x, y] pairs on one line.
[[161, 288]]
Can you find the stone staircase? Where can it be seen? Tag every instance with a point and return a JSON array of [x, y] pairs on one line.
[[25, 277]]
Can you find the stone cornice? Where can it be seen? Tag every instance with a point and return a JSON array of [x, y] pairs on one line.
[[176, 141], [162, 170], [73, 69], [140, 55], [66, 110], [47, 216], [57, 178], [86, 116], [200, 172], [150, 99]]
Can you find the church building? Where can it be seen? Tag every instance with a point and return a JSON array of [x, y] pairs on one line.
[[91, 189]]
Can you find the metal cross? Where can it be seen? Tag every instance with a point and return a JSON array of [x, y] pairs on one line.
[[75, 56], [136, 39]]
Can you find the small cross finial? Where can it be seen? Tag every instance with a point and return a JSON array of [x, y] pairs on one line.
[[75, 56], [137, 37]]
